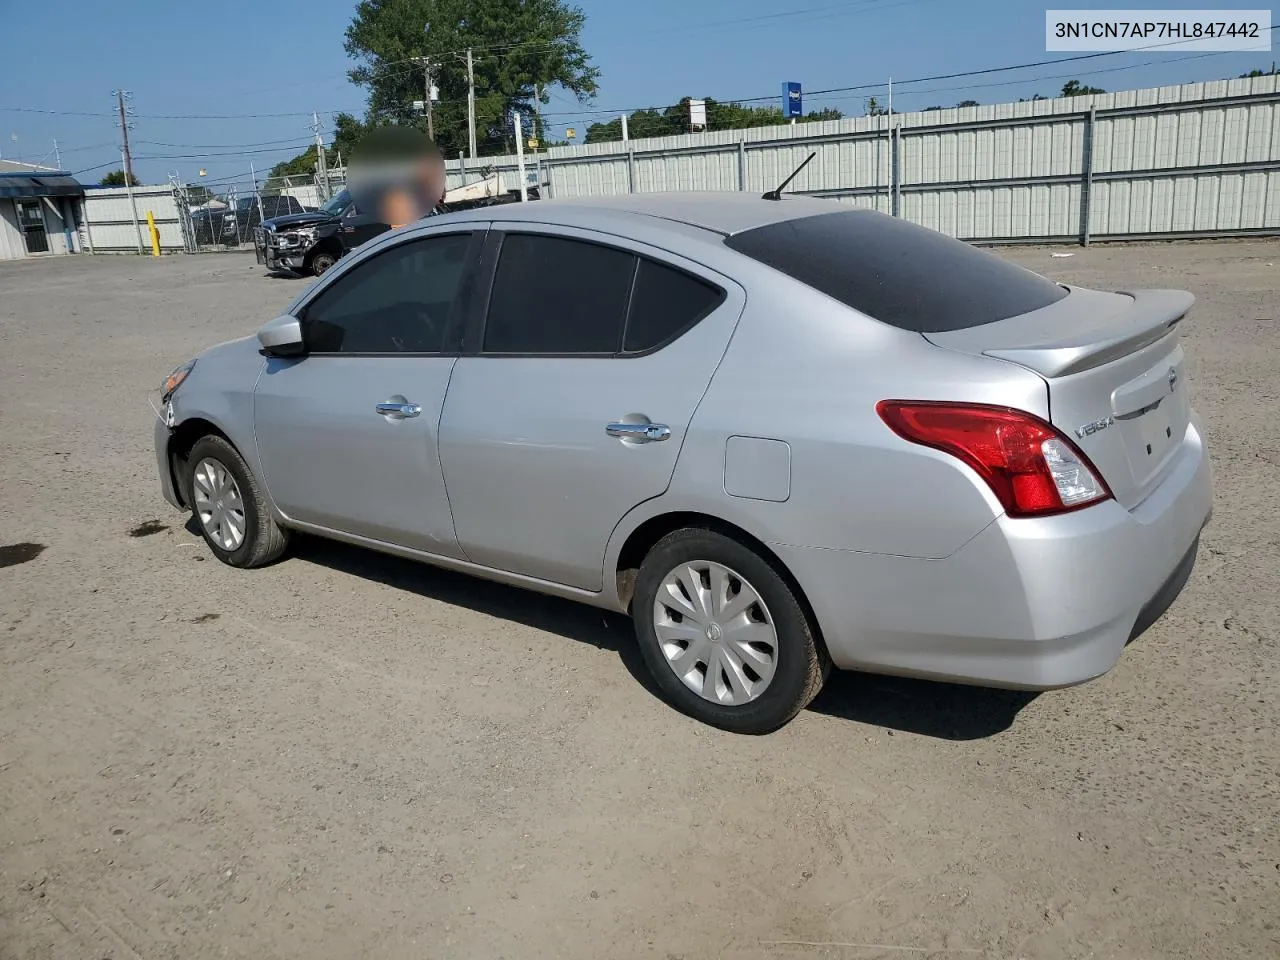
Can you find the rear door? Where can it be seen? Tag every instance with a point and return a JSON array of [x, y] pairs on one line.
[[570, 404]]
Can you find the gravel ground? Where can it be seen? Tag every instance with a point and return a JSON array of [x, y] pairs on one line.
[[347, 755]]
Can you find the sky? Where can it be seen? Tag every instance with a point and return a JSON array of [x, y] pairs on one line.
[[226, 86]]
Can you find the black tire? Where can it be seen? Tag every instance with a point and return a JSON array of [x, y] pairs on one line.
[[801, 665], [322, 261], [264, 539]]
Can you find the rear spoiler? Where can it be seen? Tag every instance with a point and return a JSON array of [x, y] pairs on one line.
[[1083, 330]]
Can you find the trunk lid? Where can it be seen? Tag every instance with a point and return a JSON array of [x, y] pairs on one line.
[[1114, 370]]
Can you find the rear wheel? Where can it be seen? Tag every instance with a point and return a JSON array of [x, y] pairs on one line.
[[322, 261], [724, 635], [229, 508]]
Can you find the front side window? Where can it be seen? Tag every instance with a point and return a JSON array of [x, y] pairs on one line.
[[559, 296], [400, 301]]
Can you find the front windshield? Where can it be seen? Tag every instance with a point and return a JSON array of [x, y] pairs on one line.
[[334, 205]]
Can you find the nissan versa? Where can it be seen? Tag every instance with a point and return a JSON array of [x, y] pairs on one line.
[[783, 434]]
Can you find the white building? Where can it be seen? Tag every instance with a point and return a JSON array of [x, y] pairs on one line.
[[41, 210]]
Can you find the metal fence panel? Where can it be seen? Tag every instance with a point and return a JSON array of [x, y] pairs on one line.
[[109, 219], [1199, 158]]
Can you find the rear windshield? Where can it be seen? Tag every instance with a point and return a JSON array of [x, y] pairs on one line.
[[899, 273]]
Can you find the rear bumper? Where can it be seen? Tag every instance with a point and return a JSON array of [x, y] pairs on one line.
[[1030, 603]]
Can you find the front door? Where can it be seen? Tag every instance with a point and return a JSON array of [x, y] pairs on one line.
[[359, 226], [31, 223], [572, 403], [347, 435]]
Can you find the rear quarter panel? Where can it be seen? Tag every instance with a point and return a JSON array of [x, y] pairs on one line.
[[806, 370]]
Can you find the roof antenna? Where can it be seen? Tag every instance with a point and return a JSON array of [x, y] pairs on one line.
[[777, 194]]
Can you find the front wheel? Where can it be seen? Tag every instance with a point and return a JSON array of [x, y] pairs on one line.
[[322, 262], [724, 635], [229, 508]]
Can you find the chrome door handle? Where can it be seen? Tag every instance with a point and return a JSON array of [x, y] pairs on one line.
[[639, 432], [398, 411]]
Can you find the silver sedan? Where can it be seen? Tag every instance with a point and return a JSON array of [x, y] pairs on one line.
[[783, 434]]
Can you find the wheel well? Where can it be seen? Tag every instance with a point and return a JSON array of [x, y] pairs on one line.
[[185, 436], [328, 245], [645, 536]]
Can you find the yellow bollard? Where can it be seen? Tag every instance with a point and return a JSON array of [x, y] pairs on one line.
[[155, 234]]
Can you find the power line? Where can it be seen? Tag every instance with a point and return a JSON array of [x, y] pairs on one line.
[[215, 146], [881, 84]]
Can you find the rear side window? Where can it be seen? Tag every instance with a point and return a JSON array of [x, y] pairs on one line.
[[558, 296], [901, 274], [664, 304], [552, 295]]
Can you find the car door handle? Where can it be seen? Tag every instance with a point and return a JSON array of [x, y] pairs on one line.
[[398, 411], [639, 432]]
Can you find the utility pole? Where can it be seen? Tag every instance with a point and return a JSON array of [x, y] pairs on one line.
[[471, 104], [256, 192], [524, 183], [426, 79], [57, 157], [322, 166], [133, 204], [426, 90], [124, 133]]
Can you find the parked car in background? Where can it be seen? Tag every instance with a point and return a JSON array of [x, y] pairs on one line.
[[240, 221], [783, 434], [206, 224]]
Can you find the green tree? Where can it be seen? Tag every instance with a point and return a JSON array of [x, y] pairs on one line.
[[1073, 88], [1259, 73], [674, 120], [520, 48], [968, 103], [116, 179]]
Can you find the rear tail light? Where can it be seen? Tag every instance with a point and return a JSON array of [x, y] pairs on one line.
[[1032, 469]]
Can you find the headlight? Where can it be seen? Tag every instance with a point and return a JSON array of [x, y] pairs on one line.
[[174, 380]]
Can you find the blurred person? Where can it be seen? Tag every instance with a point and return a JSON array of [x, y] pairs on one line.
[[399, 172]]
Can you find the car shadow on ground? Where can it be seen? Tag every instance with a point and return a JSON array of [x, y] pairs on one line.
[[941, 710]]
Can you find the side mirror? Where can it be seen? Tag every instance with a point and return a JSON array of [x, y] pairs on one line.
[[282, 337]]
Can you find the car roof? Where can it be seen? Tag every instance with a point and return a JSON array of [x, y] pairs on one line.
[[724, 212]]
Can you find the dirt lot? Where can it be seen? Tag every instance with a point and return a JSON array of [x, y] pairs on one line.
[[347, 756]]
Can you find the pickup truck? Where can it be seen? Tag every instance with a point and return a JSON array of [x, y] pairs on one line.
[[311, 243]]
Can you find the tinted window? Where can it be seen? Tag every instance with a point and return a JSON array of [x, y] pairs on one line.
[[398, 302], [553, 295], [665, 303], [897, 272]]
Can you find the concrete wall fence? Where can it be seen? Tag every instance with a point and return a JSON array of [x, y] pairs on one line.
[[1196, 160]]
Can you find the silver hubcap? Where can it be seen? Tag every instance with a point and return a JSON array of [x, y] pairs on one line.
[[715, 632], [219, 504]]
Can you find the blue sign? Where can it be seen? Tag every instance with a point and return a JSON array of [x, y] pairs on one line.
[[791, 100]]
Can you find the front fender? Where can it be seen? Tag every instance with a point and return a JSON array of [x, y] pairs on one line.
[[219, 391]]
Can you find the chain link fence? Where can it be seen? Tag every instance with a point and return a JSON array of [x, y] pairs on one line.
[[224, 215]]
